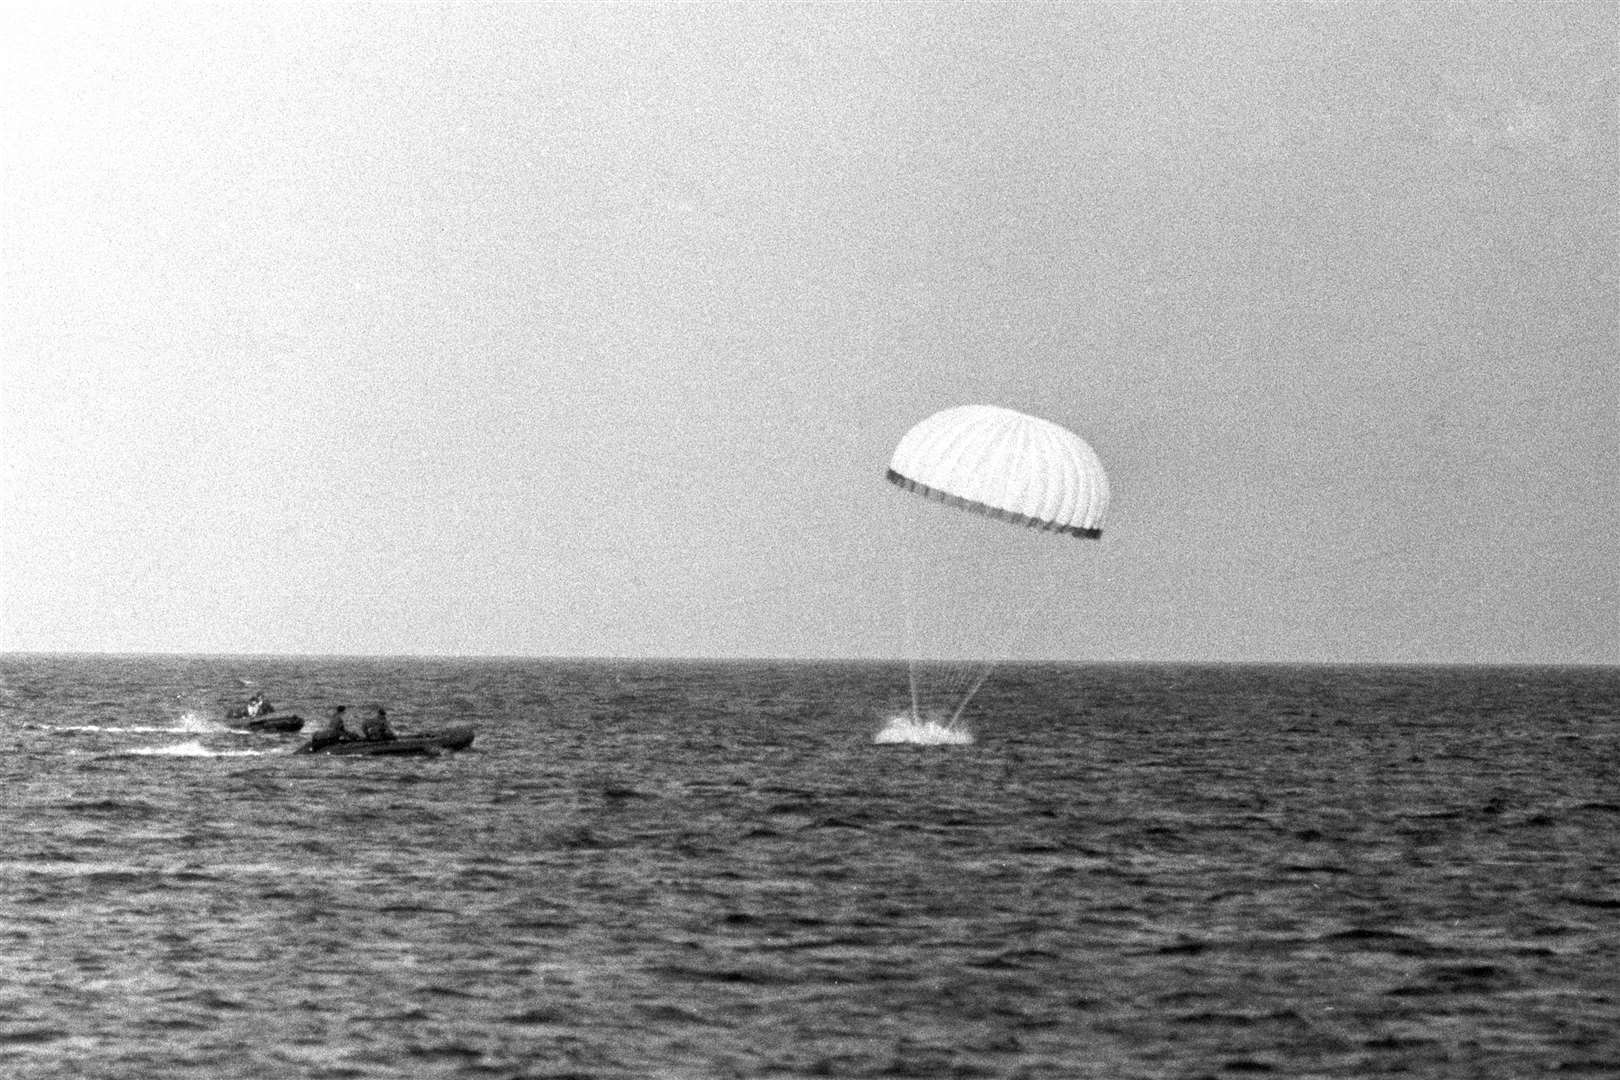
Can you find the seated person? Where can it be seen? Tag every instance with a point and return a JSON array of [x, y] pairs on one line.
[[333, 731], [376, 728], [258, 706]]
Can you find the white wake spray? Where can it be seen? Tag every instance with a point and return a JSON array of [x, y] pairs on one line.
[[188, 722], [194, 748]]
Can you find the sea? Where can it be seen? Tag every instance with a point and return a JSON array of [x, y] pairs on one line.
[[715, 870]]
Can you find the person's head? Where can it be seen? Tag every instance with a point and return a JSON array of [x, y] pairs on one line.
[[340, 710], [382, 713]]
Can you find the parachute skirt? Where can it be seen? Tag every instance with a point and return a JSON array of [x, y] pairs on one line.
[[986, 510]]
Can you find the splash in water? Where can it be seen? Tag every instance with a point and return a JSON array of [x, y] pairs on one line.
[[930, 732], [195, 721]]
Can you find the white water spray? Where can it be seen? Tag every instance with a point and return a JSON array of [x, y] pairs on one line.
[[932, 731], [194, 748], [188, 722]]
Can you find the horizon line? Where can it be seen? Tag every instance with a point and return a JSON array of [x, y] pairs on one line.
[[762, 659]]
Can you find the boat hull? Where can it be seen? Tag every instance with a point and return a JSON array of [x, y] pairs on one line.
[[424, 743], [279, 723]]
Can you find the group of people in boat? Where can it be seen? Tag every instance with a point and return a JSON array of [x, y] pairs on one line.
[[375, 728], [258, 705]]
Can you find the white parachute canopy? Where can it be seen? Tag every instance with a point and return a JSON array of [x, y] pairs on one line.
[[1005, 464]]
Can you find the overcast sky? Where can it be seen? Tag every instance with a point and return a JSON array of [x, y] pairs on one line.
[[588, 330]]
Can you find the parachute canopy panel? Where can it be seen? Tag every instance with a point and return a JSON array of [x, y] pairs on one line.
[[1005, 464]]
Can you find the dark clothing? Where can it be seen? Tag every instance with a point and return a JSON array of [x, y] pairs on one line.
[[376, 728], [334, 731]]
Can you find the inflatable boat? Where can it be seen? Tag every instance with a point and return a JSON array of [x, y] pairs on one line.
[[280, 723], [425, 743]]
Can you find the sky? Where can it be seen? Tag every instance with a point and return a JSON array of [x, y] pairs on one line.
[[588, 330]]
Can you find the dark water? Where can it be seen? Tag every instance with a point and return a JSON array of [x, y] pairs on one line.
[[708, 871]]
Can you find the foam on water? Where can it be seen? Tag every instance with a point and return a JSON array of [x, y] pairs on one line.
[[116, 729], [194, 748], [909, 729], [187, 722]]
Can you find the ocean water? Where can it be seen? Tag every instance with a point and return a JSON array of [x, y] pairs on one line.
[[700, 871]]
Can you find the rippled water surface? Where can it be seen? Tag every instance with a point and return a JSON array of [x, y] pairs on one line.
[[707, 871]]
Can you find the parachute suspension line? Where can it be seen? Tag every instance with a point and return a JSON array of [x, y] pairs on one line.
[[910, 560], [944, 676], [1017, 630], [967, 697], [933, 679]]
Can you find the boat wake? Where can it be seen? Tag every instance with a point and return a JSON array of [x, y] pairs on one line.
[[194, 748], [930, 732], [191, 722]]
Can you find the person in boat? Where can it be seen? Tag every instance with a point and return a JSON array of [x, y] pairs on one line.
[[258, 706], [376, 728], [333, 731]]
